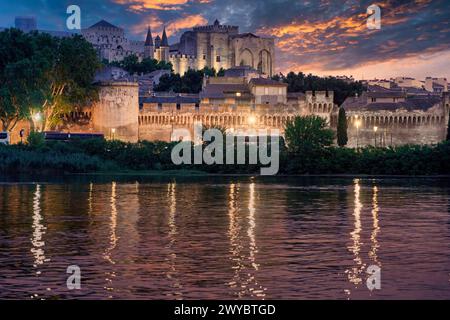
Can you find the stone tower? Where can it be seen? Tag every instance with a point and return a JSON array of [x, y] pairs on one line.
[[116, 113], [164, 47], [149, 48]]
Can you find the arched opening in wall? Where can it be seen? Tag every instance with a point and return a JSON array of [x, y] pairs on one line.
[[265, 63], [247, 58]]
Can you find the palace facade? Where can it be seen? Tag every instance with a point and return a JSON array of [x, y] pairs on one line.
[[215, 46]]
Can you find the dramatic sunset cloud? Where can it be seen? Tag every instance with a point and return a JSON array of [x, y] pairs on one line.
[[186, 22], [172, 27], [140, 5], [326, 37]]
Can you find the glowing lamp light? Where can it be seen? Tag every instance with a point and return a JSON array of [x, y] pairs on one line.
[[357, 123], [238, 94], [375, 129], [113, 130], [37, 117], [252, 120]]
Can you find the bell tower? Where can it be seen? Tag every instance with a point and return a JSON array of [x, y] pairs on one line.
[[149, 49]]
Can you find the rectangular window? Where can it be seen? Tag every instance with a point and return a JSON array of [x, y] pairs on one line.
[[178, 106], [160, 106], [218, 59], [204, 57], [197, 106]]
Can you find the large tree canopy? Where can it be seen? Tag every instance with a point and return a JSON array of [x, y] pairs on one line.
[[132, 65], [190, 82], [306, 135], [41, 73], [299, 82]]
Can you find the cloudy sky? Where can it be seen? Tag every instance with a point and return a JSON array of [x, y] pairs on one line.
[[325, 37]]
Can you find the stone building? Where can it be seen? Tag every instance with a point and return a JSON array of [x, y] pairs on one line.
[[223, 47], [235, 103], [117, 111], [384, 117], [111, 43], [216, 46]]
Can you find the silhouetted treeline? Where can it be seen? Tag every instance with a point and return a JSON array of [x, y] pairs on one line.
[[299, 82]]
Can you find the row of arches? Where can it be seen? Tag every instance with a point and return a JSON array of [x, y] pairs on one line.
[[263, 59], [219, 120], [400, 120], [320, 108]]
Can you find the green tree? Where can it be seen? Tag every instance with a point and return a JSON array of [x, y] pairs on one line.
[[307, 135], [170, 82], [41, 73], [132, 65], [69, 81], [342, 137], [23, 64], [190, 82], [210, 72], [301, 83]]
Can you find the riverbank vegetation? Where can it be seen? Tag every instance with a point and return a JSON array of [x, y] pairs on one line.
[[308, 149]]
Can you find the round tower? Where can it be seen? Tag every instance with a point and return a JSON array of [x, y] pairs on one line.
[[116, 114]]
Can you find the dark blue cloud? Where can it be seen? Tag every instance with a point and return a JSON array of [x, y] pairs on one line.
[[409, 27]]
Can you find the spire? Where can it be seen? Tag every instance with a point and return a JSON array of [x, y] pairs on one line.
[[149, 39], [164, 41]]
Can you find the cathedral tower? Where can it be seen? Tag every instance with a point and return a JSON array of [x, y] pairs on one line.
[[149, 50], [164, 47]]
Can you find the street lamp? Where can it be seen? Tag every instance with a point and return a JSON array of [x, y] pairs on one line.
[[357, 124], [375, 129], [37, 118], [252, 120], [113, 133]]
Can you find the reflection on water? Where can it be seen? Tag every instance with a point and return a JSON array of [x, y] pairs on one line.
[[376, 228], [354, 274], [220, 238], [172, 272], [38, 231], [110, 274]]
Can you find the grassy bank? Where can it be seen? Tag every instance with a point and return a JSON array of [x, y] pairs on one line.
[[154, 158]]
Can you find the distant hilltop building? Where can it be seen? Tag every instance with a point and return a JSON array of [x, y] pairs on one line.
[[216, 46], [392, 117], [430, 85], [111, 42], [438, 85]]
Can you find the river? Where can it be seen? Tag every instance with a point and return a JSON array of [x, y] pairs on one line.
[[225, 237]]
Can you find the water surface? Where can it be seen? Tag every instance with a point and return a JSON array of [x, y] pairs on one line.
[[225, 238]]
